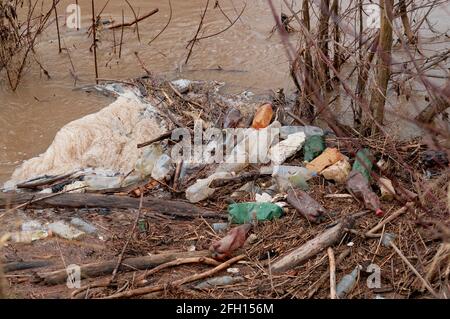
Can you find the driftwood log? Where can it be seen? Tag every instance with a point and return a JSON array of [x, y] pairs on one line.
[[106, 268], [162, 206], [23, 265], [312, 247]]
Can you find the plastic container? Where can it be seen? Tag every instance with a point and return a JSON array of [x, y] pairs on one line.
[[82, 225], [144, 165], [263, 116], [163, 168], [242, 213], [363, 163], [314, 146], [201, 190], [99, 182], [347, 283], [66, 231], [286, 148], [292, 176], [359, 186]]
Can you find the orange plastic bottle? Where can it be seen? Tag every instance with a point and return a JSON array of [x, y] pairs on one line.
[[263, 116]]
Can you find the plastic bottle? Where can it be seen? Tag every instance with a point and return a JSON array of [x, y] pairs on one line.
[[363, 163], [314, 146], [99, 182], [263, 116], [242, 213], [347, 283], [295, 176], [232, 118], [144, 165], [359, 186], [201, 190], [162, 168]]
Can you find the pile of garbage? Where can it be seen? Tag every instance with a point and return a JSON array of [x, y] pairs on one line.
[[294, 196]]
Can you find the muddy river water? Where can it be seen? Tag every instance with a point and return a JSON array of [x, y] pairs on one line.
[[246, 57]]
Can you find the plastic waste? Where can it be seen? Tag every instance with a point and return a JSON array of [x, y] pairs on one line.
[[144, 165], [84, 226], [358, 185], [386, 188], [253, 148], [263, 116], [263, 198], [234, 240], [292, 176], [363, 163], [232, 118], [219, 227], [286, 148], [66, 231], [328, 157], [28, 236], [163, 168], [347, 283], [285, 131], [337, 172], [97, 182], [387, 239], [31, 225], [242, 213], [306, 206], [219, 281], [201, 190], [314, 146], [76, 187]]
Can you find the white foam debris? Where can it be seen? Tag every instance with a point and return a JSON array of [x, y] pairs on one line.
[[103, 140]]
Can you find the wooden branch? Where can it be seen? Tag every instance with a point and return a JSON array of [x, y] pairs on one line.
[[142, 281], [163, 206], [312, 247], [333, 294], [313, 289], [176, 283], [23, 265], [106, 268], [389, 219], [129, 24], [156, 139]]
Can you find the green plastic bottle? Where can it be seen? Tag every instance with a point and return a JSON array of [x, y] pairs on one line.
[[363, 163], [241, 213], [314, 146]]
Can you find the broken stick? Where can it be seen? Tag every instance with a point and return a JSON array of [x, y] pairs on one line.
[[312, 247], [129, 24]]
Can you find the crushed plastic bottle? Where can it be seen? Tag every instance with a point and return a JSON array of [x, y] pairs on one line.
[[292, 176], [314, 146], [144, 165], [363, 163], [263, 116], [163, 168], [66, 231], [99, 182], [241, 213], [306, 206], [387, 190], [286, 148], [358, 185], [347, 283], [232, 118], [84, 226], [309, 130], [201, 190]]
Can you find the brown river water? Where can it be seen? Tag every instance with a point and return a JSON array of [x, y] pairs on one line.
[[246, 57]]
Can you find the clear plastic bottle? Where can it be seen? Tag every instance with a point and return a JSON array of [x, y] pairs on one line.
[[295, 176], [347, 283], [163, 168]]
